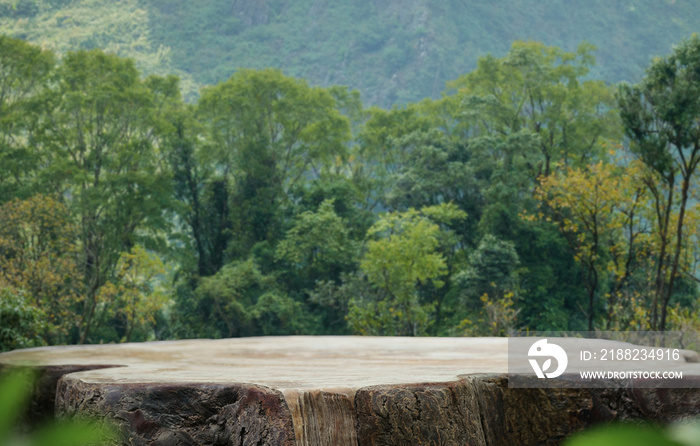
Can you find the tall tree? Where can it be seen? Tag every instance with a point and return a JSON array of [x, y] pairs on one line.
[[492, 278], [201, 196], [661, 116], [101, 134], [239, 300], [266, 133], [540, 90], [24, 72], [600, 209]]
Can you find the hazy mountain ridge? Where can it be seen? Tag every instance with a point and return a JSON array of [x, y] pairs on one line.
[[392, 51]]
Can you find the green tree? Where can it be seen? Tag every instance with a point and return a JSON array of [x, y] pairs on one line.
[[135, 295], [661, 118], [334, 298], [266, 133], [492, 270], [201, 197], [490, 286], [101, 135], [540, 90], [276, 313], [318, 249], [39, 262], [318, 246], [378, 132], [521, 117], [402, 252], [227, 298], [600, 209], [24, 72], [239, 300]]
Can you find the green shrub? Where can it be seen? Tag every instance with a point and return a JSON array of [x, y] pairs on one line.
[[20, 322]]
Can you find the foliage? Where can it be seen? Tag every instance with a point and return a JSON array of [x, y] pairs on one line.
[[334, 301], [200, 198], [267, 133], [601, 208], [660, 115], [38, 265], [496, 318], [318, 247], [16, 389], [490, 285], [401, 253], [279, 314], [20, 321], [101, 139], [492, 270], [229, 296], [122, 28], [136, 294], [240, 300], [540, 90], [318, 241], [25, 69], [272, 207], [680, 434]]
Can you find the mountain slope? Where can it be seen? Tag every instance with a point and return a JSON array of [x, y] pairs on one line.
[[392, 51]]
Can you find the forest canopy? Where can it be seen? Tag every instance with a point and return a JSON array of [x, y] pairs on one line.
[[528, 197]]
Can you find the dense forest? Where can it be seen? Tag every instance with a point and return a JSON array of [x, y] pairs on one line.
[[393, 52], [528, 197]]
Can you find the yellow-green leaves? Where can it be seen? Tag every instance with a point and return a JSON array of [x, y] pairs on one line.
[[15, 389], [137, 290], [401, 254], [661, 116], [39, 260], [600, 208], [629, 435], [404, 252], [489, 286]]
